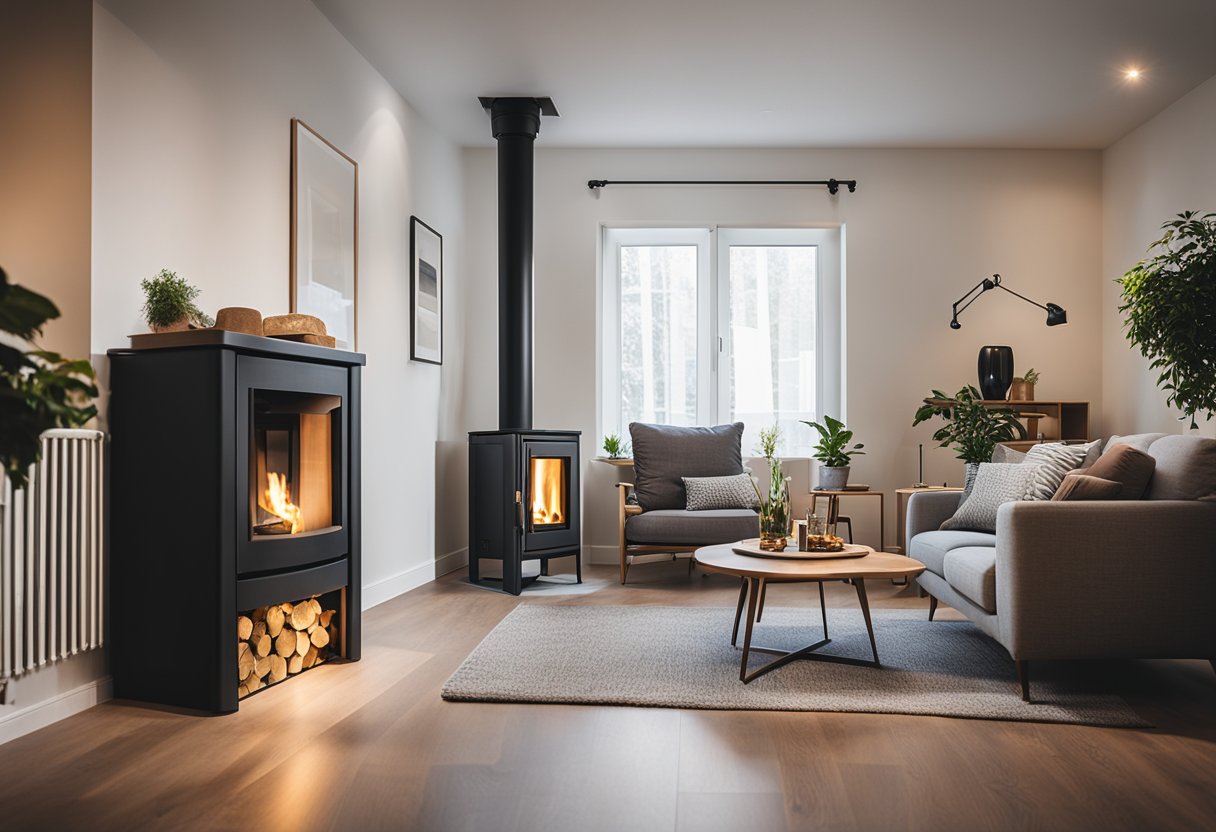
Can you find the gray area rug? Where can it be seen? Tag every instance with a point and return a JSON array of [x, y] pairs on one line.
[[680, 657]]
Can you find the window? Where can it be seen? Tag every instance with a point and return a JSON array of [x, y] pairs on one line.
[[703, 326]]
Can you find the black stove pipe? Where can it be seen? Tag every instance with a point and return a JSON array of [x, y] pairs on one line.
[[515, 123]]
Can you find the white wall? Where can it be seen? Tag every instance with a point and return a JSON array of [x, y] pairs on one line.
[[1162, 168], [923, 227]]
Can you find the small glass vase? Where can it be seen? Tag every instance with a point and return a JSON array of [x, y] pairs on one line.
[[775, 524]]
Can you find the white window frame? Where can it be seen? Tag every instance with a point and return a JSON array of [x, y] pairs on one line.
[[713, 311]]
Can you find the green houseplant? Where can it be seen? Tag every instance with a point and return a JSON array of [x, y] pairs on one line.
[[834, 453], [39, 389], [1169, 309], [615, 447], [169, 303], [775, 503], [972, 428], [1022, 389]]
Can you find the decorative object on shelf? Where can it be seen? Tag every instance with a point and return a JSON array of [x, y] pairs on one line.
[[1023, 386], [995, 367], [324, 233], [306, 329], [169, 304], [239, 319], [775, 504], [1055, 314], [426, 293], [42, 389], [1169, 312], [972, 428], [920, 466], [834, 453], [615, 446]]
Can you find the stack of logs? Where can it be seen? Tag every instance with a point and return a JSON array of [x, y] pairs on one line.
[[280, 641]]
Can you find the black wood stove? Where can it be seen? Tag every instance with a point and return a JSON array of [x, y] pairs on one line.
[[523, 482], [235, 490]]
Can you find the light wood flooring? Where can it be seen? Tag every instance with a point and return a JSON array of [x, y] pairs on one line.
[[371, 745]]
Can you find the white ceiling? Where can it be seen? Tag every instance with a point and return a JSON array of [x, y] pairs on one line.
[[947, 73]]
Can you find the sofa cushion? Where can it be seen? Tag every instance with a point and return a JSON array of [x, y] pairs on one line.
[[930, 548], [995, 485], [1127, 465], [1186, 468], [971, 570], [664, 454], [1078, 487], [689, 528], [705, 493], [1004, 453], [1055, 461], [1140, 441]]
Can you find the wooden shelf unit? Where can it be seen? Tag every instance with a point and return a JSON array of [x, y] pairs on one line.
[[1057, 421]]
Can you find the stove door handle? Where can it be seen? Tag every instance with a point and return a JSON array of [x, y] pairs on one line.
[[519, 510]]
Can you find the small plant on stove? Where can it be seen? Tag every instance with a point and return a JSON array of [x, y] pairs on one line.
[[169, 303], [615, 447]]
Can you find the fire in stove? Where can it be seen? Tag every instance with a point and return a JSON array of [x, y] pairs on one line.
[[548, 491], [276, 512]]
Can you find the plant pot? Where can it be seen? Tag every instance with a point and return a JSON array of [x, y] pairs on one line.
[[1021, 391], [996, 371], [180, 325], [833, 479]]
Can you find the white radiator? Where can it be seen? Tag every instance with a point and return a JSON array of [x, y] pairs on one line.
[[51, 555]]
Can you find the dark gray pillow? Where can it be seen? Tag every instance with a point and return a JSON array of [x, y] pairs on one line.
[[708, 493], [664, 454]]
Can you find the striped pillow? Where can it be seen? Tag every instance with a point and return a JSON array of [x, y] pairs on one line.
[[1055, 461]]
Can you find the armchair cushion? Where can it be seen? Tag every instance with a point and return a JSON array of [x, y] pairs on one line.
[[1186, 468], [692, 528], [930, 548], [664, 454]]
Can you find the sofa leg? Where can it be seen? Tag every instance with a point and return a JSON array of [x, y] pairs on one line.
[[1023, 668], [932, 607]]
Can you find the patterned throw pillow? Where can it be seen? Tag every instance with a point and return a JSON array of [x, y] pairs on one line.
[[1055, 462], [706, 493], [995, 485]]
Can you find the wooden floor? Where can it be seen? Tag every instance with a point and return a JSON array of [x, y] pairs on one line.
[[371, 745]]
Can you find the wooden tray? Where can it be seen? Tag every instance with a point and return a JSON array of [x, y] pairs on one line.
[[751, 548]]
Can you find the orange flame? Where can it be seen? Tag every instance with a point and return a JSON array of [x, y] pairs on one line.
[[278, 501], [548, 492]]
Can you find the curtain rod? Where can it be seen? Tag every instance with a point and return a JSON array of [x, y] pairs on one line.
[[833, 185]]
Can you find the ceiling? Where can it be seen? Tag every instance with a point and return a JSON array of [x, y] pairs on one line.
[[893, 73]]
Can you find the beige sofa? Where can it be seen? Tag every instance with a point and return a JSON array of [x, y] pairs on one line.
[[1085, 580]]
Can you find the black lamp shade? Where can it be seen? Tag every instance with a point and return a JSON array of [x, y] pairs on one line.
[[1056, 315]]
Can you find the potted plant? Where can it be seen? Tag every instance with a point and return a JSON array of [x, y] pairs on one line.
[[972, 428], [615, 447], [39, 389], [1022, 389], [775, 503], [834, 453], [1169, 309], [169, 304]]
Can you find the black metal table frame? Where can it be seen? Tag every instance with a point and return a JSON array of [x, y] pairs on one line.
[[752, 591]]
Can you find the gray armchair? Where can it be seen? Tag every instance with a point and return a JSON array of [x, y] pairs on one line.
[[1085, 580]]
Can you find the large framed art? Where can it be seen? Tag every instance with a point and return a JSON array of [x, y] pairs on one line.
[[426, 292], [324, 234]]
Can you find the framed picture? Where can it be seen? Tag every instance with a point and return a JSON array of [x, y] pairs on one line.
[[324, 234], [426, 292]]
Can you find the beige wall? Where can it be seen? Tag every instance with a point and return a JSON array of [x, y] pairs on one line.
[[45, 151], [1164, 167], [923, 227]]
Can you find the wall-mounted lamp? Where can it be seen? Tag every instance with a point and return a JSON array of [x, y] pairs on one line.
[[1055, 314]]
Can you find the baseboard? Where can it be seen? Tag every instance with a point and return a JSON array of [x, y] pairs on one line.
[[41, 714], [603, 554], [412, 578]]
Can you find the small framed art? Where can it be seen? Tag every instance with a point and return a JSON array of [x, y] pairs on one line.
[[426, 292]]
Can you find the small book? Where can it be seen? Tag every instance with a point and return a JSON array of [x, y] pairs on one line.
[[857, 487]]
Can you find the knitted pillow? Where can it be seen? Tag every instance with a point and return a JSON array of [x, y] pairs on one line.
[[706, 493], [1055, 461], [995, 485]]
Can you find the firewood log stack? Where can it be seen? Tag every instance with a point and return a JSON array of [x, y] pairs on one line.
[[283, 640]]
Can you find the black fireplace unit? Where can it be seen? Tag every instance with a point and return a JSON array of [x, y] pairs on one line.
[[524, 501], [235, 499]]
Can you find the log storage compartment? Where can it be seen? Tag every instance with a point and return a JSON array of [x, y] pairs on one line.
[[235, 495]]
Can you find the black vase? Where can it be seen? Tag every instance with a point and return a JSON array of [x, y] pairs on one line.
[[996, 371]]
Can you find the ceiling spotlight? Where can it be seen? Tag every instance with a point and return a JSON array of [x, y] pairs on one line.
[[1132, 74]]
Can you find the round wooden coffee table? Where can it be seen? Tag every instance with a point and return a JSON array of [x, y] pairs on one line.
[[756, 572]]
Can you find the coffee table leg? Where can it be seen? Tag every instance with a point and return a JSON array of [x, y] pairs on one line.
[[860, 584], [823, 608], [734, 634], [753, 594], [763, 595]]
